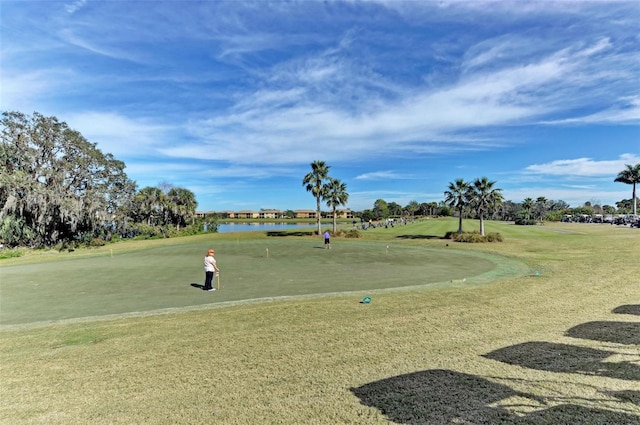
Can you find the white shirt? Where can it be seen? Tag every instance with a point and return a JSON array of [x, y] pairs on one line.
[[209, 264]]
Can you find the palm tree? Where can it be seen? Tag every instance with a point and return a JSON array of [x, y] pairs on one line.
[[484, 197], [541, 207], [456, 197], [149, 205], [630, 175], [314, 182], [412, 207], [336, 195], [527, 206], [182, 205]]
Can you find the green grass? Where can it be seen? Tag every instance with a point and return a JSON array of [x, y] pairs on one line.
[[165, 276], [559, 348]]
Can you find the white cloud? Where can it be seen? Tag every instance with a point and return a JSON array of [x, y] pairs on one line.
[[627, 110], [382, 175], [118, 134], [73, 7], [289, 124], [584, 166], [98, 47], [21, 90]]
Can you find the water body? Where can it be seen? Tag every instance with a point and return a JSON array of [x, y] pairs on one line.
[[253, 227]]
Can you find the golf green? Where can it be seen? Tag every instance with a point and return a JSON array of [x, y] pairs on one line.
[[170, 276]]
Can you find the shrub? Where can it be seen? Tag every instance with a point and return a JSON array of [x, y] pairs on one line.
[[97, 242], [10, 253], [525, 222], [474, 237], [494, 237], [353, 234]]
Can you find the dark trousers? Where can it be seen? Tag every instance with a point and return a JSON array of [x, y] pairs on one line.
[[207, 280]]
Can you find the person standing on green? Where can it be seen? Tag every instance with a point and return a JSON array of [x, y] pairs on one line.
[[327, 240], [210, 268]]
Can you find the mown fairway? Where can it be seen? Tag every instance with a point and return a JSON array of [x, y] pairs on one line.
[[562, 347]]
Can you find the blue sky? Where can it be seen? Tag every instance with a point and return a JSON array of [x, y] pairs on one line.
[[234, 99]]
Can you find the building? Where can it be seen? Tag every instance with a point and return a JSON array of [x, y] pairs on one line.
[[275, 214]]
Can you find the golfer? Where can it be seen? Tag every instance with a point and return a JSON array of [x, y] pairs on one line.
[[327, 240], [210, 268]]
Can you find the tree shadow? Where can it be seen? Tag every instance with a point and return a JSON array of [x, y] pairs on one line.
[[628, 396], [280, 233], [570, 414], [439, 397], [564, 358], [436, 397], [618, 332], [628, 309]]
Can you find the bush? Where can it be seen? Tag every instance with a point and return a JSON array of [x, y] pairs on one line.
[[525, 222], [97, 242], [474, 237], [10, 253], [494, 237], [353, 234]]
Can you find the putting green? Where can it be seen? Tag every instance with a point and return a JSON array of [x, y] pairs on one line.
[[166, 277]]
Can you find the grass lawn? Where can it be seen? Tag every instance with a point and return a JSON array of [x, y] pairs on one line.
[[134, 342]]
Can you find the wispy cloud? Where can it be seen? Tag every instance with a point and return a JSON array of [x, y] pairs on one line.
[[247, 93], [120, 135], [287, 125], [73, 7], [19, 91], [382, 175], [626, 111], [584, 166]]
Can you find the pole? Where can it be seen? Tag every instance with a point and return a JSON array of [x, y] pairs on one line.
[[218, 276]]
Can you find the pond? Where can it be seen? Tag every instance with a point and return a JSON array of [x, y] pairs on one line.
[[252, 227]]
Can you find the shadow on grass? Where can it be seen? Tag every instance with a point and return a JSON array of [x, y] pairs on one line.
[[445, 397], [197, 285], [564, 358], [618, 332], [628, 309], [279, 233], [628, 396]]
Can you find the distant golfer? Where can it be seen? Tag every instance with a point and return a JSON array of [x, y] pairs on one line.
[[210, 268], [327, 240]]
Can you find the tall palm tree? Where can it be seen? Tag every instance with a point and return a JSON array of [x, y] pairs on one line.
[[149, 205], [484, 197], [182, 205], [541, 207], [314, 182], [336, 195], [527, 206], [456, 197], [630, 175], [412, 207]]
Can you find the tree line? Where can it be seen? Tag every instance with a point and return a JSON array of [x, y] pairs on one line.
[[477, 199], [58, 189]]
